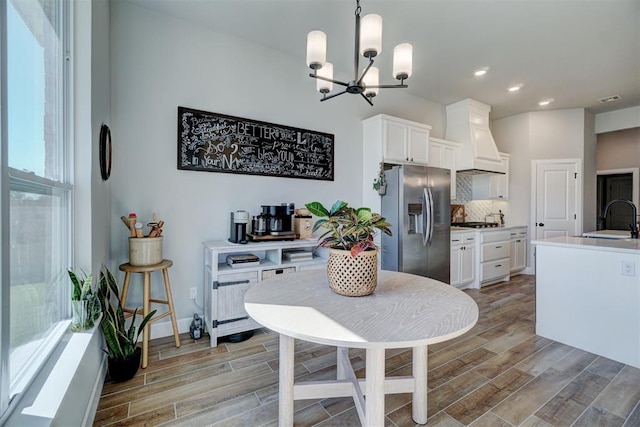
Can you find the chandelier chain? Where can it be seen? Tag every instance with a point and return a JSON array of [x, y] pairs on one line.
[[358, 8]]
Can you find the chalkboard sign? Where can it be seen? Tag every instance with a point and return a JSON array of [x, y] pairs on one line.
[[217, 143]]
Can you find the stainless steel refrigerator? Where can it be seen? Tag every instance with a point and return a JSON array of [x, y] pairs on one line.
[[418, 205]]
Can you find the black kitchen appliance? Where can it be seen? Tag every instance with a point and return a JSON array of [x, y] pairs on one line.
[[238, 227], [279, 219]]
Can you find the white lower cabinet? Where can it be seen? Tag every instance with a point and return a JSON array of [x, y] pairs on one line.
[[225, 286], [463, 254], [518, 249], [494, 256]]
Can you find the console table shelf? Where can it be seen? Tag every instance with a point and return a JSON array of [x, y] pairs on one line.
[[225, 286]]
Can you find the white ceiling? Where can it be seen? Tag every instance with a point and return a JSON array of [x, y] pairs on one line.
[[575, 51]]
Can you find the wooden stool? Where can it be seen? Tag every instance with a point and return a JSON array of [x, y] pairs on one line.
[[147, 300]]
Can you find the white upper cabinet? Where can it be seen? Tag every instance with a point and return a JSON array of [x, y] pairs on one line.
[[443, 154], [492, 186], [390, 140], [402, 141]]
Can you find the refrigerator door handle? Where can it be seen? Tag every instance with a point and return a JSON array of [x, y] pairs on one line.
[[426, 217], [430, 236]]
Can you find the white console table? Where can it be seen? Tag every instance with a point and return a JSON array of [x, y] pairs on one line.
[[225, 286]]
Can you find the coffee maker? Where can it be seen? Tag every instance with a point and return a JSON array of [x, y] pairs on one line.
[[238, 227], [277, 219]]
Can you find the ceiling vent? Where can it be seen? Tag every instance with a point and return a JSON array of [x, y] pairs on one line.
[[610, 99]]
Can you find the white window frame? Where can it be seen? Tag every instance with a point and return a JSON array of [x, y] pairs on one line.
[[8, 389]]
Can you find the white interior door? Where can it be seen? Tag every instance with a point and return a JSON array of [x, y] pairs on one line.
[[555, 197]]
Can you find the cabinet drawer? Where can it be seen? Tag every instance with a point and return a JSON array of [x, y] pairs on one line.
[[494, 236], [491, 251], [266, 274], [492, 269]]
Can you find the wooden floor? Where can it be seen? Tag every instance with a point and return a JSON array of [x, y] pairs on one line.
[[498, 374]]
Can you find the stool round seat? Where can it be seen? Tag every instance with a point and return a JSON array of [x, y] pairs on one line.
[[146, 271], [166, 263]]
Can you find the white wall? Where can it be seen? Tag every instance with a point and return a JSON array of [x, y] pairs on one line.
[[159, 63], [512, 136], [625, 118], [556, 134]]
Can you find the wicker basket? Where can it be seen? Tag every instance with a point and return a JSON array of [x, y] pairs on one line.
[[353, 277]]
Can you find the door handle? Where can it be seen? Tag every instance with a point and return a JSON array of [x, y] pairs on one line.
[[541, 224], [431, 213]]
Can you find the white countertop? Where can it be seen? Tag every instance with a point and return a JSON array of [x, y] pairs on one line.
[[466, 229], [611, 245], [608, 234]]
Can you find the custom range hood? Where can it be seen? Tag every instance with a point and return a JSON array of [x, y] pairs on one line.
[[468, 124]]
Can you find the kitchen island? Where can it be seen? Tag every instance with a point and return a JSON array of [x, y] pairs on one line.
[[588, 295]]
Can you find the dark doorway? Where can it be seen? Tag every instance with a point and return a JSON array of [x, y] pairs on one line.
[[611, 187]]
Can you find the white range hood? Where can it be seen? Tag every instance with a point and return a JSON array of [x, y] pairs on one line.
[[468, 124]]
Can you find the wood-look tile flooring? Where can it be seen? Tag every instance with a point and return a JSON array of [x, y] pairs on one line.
[[498, 374]]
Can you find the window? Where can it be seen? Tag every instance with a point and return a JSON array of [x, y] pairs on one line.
[[35, 121]]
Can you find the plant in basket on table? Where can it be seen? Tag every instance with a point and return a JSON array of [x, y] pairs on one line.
[[85, 305], [122, 350], [352, 268]]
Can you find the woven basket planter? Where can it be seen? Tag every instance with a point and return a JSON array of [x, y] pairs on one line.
[[353, 277]]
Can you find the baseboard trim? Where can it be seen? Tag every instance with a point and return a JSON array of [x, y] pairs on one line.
[[164, 329]]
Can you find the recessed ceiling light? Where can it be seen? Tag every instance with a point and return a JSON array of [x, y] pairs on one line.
[[545, 102], [515, 88], [481, 71]]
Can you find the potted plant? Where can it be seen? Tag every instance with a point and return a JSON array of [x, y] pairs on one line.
[[352, 268], [380, 182], [84, 301], [122, 350]]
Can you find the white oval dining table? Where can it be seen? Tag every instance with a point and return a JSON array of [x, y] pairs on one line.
[[405, 311]]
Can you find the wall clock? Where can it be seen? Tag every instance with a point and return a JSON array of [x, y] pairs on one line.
[[105, 152]]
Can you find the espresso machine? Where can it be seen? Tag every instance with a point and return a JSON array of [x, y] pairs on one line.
[[238, 227], [275, 220]]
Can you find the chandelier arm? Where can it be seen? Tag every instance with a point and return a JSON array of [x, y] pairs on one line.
[[338, 82], [325, 97], [388, 86], [367, 99], [356, 57], [365, 72]]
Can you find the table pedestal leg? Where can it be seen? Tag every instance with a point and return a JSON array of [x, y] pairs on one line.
[[419, 412], [285, 397], [146, 309], [342, 354], [374, 390]]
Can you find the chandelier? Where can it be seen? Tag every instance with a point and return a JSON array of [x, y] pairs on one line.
[[368, 43]]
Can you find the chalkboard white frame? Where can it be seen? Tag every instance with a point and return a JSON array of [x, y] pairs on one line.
[[212, 142]]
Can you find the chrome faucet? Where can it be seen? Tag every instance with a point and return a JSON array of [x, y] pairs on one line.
[[634, 225]]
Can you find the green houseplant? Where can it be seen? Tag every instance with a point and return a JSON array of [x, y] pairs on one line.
[[380, 182], [352, 268], [85, 305], [121, 341]]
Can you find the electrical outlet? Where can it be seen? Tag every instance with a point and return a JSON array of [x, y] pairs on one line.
[[628, 268], [193, 293]]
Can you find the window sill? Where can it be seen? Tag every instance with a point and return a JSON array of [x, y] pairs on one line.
[[70, 381]]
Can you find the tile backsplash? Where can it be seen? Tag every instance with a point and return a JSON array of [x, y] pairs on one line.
[[476, 210]]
